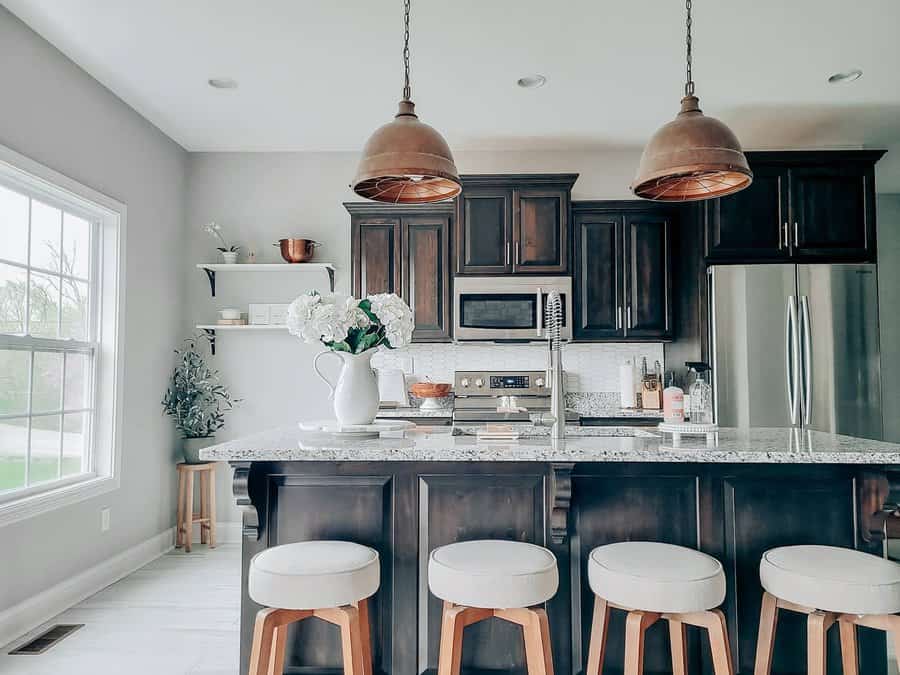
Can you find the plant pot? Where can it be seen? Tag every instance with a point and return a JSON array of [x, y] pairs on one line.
[[191, 448], [230, 257]]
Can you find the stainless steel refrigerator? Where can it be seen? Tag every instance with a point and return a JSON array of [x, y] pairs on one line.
[[796, 346]]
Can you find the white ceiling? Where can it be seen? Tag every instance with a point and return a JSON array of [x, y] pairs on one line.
[[321, 75]]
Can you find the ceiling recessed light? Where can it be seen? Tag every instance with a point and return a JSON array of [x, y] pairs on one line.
[[847, 76], [222, 83], [531, 81]]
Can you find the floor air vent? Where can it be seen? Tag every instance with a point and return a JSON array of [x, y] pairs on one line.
[[47, 639]]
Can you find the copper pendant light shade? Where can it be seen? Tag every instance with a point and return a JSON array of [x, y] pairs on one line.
[[693, 157], [406, 161]]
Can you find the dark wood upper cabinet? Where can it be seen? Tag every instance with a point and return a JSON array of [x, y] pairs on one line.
[[484, 231], [810, 206], [513, 224], [623, 270], [405, 250]]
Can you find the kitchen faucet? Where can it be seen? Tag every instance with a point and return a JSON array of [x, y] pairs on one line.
[[556, 418]]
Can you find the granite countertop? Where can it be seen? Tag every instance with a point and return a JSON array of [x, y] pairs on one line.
[[584, 444]]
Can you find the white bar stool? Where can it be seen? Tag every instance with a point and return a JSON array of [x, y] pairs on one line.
[[653, 581], [330, 580], [828, 584], [481, 579]]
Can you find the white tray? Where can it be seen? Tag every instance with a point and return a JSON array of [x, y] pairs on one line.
[[677, 430], [355, 430]]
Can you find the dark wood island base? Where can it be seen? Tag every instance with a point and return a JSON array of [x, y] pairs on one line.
[[405, 509]]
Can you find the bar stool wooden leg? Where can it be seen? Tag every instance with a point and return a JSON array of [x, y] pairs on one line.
[[263, 634], [365, 631], [204, 507], [678, 641], [451, 639], [599, 626], [537, 644], [189, 511], [636, 625], [279, 642], [817, 625], [718, 642], [179, 520], [849, 649], [765, 641], [212, 509]]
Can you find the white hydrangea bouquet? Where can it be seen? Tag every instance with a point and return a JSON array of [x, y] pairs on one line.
[[345, 324]]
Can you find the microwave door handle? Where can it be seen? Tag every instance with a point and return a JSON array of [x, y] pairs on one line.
[[540, 312]]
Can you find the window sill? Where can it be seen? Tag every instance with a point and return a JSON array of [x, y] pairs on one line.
[[43, 502]]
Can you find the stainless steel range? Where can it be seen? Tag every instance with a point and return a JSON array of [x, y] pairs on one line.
[[479, 394]]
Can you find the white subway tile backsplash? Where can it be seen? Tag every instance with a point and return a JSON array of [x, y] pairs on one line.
[[589, 367]]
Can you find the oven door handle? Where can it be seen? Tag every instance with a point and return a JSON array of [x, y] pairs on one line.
[[540, 312]]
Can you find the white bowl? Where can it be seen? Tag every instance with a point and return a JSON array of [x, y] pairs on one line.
[[230, 313]]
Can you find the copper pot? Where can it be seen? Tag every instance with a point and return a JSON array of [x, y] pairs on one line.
[[297, 250]]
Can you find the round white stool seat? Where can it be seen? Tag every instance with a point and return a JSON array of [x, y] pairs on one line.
[[832, 579], [314, 575], [656, 577], [493, 574]]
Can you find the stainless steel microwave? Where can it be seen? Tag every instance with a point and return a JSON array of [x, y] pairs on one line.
[[507, 308]]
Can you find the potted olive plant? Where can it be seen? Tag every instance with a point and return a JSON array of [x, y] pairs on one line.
[[196, 399]]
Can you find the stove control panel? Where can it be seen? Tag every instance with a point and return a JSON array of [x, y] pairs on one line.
[[493, 383]]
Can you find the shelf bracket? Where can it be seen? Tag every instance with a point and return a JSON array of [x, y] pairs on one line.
[[211, 275], [561, 500], [330, 278], [211, 334], [240, 488]]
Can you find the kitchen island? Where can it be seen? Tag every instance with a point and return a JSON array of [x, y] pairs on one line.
[[408, 493]]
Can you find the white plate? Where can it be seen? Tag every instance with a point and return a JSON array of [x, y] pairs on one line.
[[356, 430]]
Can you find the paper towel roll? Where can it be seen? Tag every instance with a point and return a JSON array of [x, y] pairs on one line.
[[626, 385]]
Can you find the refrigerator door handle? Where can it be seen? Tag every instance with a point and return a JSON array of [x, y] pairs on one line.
[[805, 329], [791, 348]]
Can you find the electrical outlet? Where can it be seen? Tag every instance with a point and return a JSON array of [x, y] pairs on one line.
[[104, 520]]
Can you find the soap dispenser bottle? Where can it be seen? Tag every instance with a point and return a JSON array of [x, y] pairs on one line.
[[673, 402]]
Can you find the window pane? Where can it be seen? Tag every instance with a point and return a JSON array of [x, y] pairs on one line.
[[77, 382], [13, 381], [44, 300], [74, 309], [12, 299], [44, 460], [46, 222], [75, 435], [14, 225], [13, 445], [76, 246], [47, 382]]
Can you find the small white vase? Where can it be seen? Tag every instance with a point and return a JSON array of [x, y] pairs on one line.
[[355, 394], [230, 257]]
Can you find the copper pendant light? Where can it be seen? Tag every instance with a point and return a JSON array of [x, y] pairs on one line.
[[406, 161], [693, 157]]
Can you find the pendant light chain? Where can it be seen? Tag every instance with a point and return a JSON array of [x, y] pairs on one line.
[[689, 83], [406, 90]]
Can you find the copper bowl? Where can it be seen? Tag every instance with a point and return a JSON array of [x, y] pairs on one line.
[[430, 389], [297, 250]]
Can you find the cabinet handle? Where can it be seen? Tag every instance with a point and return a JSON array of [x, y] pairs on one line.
[[507, 253], [784, 242], [796, 234], [628, 316], [540, 312], [619, 317]]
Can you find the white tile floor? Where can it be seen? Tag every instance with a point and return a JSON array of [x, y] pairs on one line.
[[179, 615]]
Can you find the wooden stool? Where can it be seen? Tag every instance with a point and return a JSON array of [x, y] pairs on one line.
[[478, 580], [828, 584], [207, 517], [653, 581], [329, 580]]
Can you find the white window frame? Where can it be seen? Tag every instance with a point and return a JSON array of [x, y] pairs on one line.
[[107, 289]]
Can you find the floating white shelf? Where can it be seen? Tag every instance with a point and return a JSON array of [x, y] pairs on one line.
[[212, 269], [215, 326]]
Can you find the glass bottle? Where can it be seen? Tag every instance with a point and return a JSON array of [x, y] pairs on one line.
[[700, 408]]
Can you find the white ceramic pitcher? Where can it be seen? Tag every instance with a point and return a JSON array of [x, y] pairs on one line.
[[355, 395]]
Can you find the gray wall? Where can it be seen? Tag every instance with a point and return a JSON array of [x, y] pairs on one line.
[[56, 114], [889, 310]]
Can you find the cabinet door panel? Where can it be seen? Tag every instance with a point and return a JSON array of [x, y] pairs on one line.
[[426, 281], [832, 211], [485, 232], [648, 302], [598, 276], [540, 231], [376, 257], [749, 226]]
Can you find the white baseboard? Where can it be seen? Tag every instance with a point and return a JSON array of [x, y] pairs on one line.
[[227, 532], [19, 619]]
